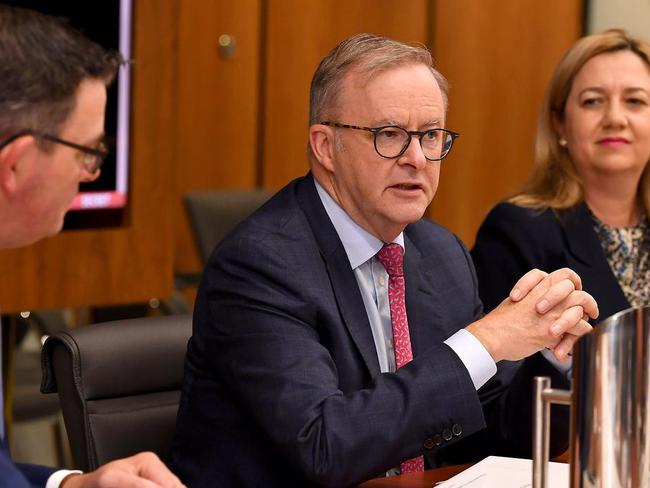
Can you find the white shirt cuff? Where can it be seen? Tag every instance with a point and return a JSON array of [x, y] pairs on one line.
[[55, 479], [477, 360]]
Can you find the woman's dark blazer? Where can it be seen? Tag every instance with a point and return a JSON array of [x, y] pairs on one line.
[[512, 240]]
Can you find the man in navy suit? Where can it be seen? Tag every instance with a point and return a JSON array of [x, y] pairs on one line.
[[337, 335], [52, 100]]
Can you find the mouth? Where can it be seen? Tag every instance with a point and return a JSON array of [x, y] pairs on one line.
[[407, 186], [613, 141]]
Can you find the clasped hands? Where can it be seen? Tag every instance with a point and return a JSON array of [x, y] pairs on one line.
[[543, 310]]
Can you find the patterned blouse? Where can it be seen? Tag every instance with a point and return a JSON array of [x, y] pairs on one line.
[[628, 254]]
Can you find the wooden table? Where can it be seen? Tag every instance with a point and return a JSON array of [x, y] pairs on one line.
[[416, 480]]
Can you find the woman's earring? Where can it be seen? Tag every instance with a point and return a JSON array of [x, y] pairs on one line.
[[562, 142]]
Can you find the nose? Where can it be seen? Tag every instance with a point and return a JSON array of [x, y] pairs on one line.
[[614, 115], [413, 155]]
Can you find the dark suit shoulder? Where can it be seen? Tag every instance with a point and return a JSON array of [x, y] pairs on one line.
[[272, 257], [430, 236], [535, 234], [276, 217], [274, 227], [436, 242], [511, 241], [428, 229], [509, 215]]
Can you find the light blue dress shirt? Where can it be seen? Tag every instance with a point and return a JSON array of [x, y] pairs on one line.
[[361, 248]]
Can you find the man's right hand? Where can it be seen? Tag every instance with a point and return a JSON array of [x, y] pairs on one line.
[[143, 470], [549, 311]]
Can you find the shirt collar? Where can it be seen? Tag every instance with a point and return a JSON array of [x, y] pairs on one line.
[[358, 243]]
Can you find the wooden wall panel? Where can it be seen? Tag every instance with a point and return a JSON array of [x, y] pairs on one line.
[[197, 117], [134, 262], [498, 57], [216, 110], [299, 34]]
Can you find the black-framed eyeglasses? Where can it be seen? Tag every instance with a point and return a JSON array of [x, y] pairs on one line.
[[391, 141], [93, 157]]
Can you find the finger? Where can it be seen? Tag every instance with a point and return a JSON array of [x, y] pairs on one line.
[[562, 351], [581, 328], [128, 480], [567, 320], [115, 478], [149, 466], [526, 283], [586, 301], [556, 294], [566, 274], [589, 305]]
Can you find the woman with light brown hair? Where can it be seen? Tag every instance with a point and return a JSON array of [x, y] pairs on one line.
[[586, 204]]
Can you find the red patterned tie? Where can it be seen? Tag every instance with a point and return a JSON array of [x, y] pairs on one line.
[[392, 257]]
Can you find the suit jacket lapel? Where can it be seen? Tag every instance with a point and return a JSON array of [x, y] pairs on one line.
[[589, 261], [581, 238], [341, 275], [421, 301]]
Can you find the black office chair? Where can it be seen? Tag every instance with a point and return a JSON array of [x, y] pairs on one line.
[[213, 214], [28, 403], [119, 385]]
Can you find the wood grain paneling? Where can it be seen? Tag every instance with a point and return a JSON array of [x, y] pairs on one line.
[[202, 121], [134, 262], [216, 110], [299, 34], [498, 57]]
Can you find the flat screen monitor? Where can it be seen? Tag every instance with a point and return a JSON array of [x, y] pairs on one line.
[[109, 23]]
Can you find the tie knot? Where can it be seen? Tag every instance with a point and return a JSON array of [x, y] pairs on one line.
[[392, 257]]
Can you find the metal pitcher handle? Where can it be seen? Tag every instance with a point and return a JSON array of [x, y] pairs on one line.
[[543, 396]]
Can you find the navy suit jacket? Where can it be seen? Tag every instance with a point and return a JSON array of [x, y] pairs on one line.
[[21, 475], [513, 240], [282, 383]]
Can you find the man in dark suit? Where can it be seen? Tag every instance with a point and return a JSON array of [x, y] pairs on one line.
[[337, 336], [52, 100]]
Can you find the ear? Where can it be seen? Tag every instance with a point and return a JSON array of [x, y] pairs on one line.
[[13, 158], [321, 140], [558, 124]]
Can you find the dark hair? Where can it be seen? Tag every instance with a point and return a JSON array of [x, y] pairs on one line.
[[43, 60]]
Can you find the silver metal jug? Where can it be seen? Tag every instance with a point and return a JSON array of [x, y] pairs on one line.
[[610, 413]]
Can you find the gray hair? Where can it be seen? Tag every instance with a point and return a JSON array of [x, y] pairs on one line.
[[367, 54]]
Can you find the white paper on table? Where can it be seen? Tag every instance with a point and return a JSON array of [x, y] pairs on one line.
[[505, 472]]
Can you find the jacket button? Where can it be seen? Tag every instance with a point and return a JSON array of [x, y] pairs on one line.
[[429, 444], [456, 430], [437, 439], [446, 434]]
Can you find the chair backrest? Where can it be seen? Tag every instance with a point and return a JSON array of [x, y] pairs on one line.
[[213, 214], [119, 385]]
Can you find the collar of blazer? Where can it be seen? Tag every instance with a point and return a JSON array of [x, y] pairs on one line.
[[582, 240], [341, 275], [585, 248], [421, 295]]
